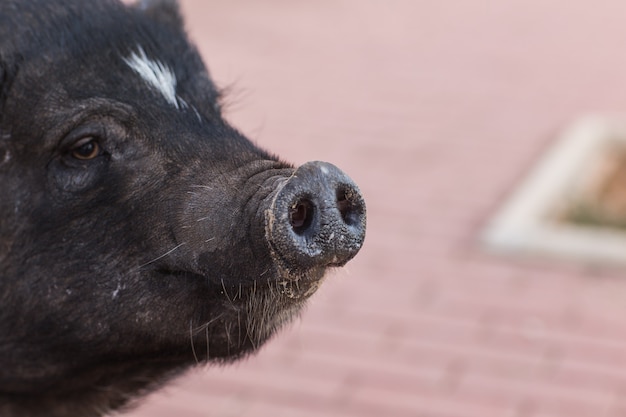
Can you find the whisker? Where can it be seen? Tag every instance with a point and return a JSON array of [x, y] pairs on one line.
[[193, 348], [208, 323], [162, 256], [208, 352], [226, 292], [206, 187], [238, 329], [227, 328]]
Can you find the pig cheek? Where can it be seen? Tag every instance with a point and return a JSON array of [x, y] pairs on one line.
[[205, 225], [75, 179]]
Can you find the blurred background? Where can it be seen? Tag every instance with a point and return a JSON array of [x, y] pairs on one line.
[[437, 109]]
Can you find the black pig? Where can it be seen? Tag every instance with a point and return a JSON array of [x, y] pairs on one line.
[[140, 234]]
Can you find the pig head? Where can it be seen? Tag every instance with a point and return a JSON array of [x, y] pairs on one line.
[[140, 233]]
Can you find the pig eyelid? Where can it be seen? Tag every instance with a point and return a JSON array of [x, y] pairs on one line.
[[86, 148]]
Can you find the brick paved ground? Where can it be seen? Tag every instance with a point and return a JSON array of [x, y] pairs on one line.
[[436, 109]]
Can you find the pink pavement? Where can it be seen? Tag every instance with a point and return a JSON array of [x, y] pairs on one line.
[[437, 110]]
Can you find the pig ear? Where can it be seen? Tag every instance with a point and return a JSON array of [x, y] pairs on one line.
[[166, 11]]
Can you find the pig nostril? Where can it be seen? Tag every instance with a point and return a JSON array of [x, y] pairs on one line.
[[344, 207], [301, 215], [349, 212]]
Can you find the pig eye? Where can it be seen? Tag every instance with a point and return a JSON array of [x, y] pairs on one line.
[[86, 149]]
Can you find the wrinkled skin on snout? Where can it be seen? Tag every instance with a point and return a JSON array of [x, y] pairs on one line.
[[140, 234]]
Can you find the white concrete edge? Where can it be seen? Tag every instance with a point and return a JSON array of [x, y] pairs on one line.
[[521, 225]]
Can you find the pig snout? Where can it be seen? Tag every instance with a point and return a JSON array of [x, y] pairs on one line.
[[317, 219]]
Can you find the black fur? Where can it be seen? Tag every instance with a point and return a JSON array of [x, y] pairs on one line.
[[120, 271]]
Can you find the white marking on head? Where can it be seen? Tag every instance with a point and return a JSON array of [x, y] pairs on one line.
[[155, 73]]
